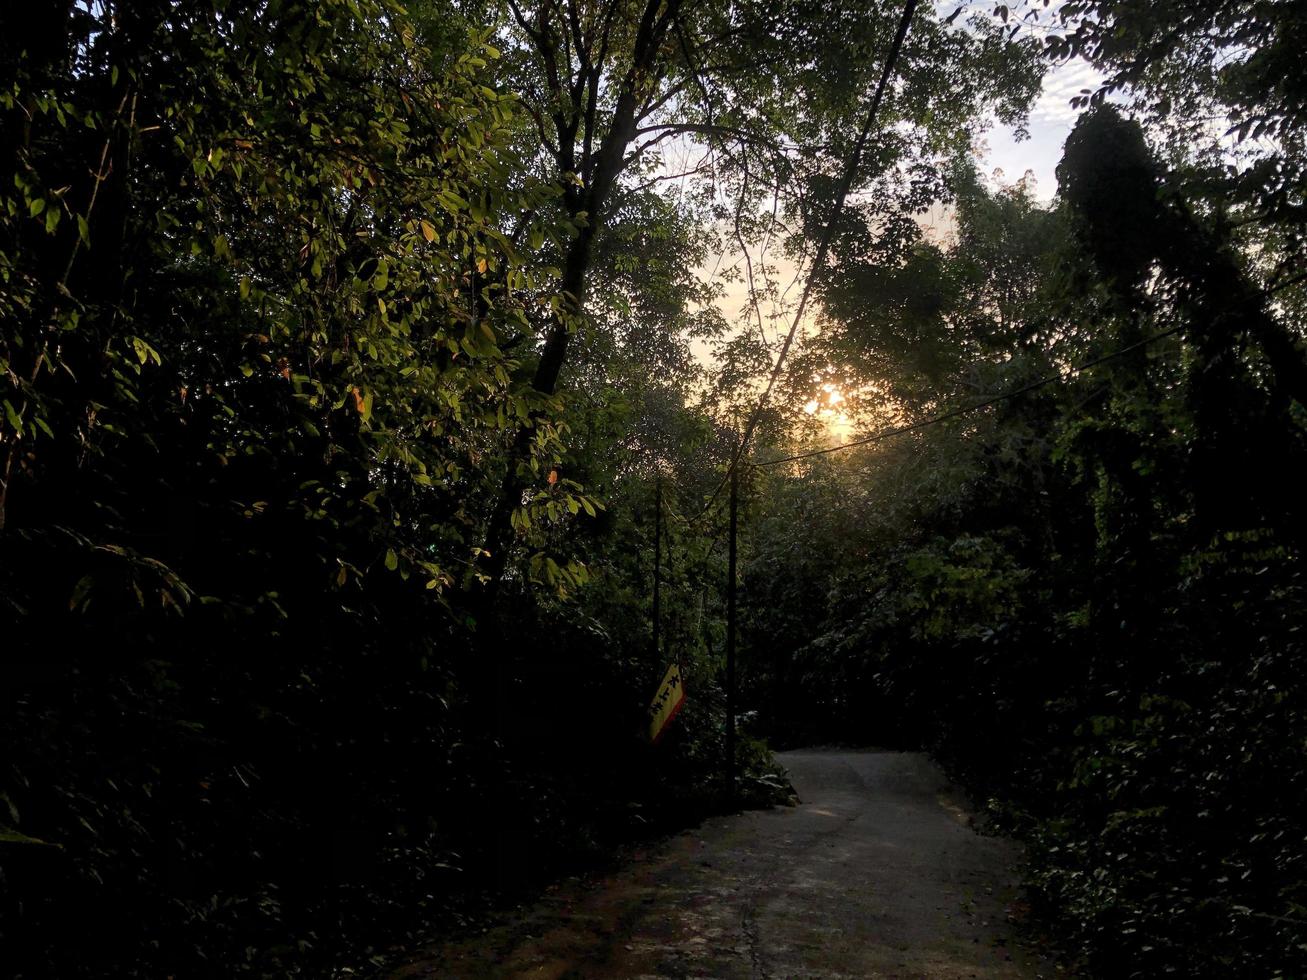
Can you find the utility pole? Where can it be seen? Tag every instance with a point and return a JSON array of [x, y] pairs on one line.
[[730, 631], [658, 566]]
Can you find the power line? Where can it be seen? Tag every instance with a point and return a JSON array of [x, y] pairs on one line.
[[954, 413], [823, 246]]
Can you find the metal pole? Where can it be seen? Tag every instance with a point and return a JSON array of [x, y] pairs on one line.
[[730, 632], [658, 566]]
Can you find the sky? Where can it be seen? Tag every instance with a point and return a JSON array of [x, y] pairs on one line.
[[1051, 120]]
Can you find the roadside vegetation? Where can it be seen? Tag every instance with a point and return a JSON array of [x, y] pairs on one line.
[[362, 363]]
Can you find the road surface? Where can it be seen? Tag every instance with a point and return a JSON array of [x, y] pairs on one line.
[[876, 874]]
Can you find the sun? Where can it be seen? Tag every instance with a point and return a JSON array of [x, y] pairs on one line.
[[828, 407]]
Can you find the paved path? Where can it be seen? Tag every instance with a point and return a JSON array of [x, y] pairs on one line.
[[877, 874]]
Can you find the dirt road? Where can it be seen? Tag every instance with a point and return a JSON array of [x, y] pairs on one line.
[[876, 874]]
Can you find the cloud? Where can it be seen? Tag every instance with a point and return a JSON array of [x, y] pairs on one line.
[[1062, 83]]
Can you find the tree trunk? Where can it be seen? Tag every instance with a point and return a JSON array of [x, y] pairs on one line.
[[499, 533]]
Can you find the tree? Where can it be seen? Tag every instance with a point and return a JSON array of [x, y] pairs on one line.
[[1224, 81], [607, 84], [249, 376], [1094, 559], [1134, 233]]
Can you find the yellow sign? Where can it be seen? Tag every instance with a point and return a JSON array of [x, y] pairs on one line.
[[667, 702]]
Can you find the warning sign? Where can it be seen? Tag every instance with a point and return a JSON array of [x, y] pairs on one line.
[[667, 702]]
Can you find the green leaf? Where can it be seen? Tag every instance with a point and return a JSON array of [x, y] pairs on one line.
[[10, 836], [80, 592], [142, 349], [11, 415]]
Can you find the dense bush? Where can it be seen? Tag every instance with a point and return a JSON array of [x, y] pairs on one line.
[[256, 715], [1087, 600]]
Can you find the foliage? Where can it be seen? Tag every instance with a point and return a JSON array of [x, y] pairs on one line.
[[271, 278], [261, 285], [352, 352], [1087, 598], [1222, 80]]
